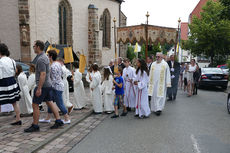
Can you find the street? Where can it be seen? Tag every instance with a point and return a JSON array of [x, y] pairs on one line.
[[197, 124]]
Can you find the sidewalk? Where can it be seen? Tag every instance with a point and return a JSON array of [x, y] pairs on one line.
[[13, 138]]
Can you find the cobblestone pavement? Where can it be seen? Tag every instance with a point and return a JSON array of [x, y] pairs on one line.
[[13, 138], [71, 138]]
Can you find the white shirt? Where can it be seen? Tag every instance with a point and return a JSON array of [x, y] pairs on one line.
[[172, 63], [192, 68], [7, 67]]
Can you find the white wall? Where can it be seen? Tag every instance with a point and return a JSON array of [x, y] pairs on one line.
[[9, 27], [44, 23]]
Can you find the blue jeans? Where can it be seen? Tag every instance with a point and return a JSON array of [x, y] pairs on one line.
[[57, 97]]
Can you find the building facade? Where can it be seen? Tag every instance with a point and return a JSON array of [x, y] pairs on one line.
[[9, 27], [86, 25]]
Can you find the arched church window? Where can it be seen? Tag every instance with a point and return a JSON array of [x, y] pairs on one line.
[[106, 29], [65, 22]]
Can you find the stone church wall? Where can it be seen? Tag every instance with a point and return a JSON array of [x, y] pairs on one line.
[[44, 23], [9, 27]]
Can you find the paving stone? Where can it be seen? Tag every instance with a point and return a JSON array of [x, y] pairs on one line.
[[10, 148], [20, 150], [15, 144], [13, 138], [43, 151], [65, 149], [37, 139]]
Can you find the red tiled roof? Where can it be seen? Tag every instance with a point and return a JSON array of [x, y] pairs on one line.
[[196, 11], [184, 31]]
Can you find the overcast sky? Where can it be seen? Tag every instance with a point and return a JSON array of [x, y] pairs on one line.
[[162, 12]]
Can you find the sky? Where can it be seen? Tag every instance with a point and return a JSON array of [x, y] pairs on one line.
[[162, 12]]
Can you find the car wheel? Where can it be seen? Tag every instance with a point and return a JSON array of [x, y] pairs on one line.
[[224, 87], [228, 104]]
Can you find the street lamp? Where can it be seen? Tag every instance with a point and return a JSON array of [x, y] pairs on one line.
[[115, 46], [146, 33]]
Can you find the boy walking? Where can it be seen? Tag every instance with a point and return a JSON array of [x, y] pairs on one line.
[[119, 94]]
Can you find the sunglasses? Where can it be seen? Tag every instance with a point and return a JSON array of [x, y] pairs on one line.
[[157, 56]]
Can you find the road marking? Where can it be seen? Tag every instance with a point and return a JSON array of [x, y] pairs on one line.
[[195, 144]]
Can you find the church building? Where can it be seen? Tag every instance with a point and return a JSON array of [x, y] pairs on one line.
[[86, 25]]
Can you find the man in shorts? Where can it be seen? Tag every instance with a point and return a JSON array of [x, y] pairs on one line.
[[43, 91]]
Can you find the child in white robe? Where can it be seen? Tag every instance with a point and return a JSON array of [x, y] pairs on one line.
[[141, 83], [79, 91], [25, 103], [107, 90], [31, 80], [95, 86], [128, 76]]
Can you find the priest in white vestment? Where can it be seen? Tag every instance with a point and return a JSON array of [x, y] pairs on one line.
[[159, 80], [128, 76], [25, 103]]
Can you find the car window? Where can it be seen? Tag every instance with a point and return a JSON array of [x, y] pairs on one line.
[[224, 67], [24, 66]]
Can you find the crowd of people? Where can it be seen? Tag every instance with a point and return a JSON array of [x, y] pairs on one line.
[[142, 87]]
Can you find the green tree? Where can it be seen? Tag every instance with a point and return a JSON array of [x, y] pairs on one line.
[[225, 14], [130, 53], [153, 49], [166, 47], [209, 35]]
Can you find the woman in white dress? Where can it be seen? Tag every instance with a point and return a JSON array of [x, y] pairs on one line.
[[141, 84], [95, 86], [191, 69], [79, 91], [9, 89], [107, 90], [25, 103], [185, 80]]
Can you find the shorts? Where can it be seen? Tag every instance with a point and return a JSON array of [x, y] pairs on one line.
[[46, 96], [118, 99], [185, 82]]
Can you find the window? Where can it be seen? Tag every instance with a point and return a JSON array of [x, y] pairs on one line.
[[106, 29], [65, 22]]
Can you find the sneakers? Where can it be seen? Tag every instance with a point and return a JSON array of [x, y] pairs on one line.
[[33, 128], [66, 122], [57, 124], [124, 114], [44, 121], [115, 116], [17, 123]]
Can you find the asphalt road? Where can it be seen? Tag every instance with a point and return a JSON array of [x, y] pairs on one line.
[[198, 124]]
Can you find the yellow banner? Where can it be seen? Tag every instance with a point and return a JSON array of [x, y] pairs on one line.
[[136, 48], [82, 63], [52, 48], [177, 48], [68, 55]]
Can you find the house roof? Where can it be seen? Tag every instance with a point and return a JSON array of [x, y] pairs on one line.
[[196, 11], [184, 31]]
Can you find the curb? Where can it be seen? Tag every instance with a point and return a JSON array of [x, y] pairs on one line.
[[62, 131]]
